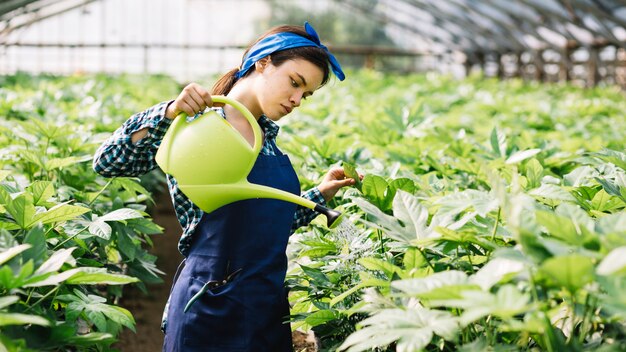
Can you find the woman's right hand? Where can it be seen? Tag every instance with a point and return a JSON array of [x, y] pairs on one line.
[[192, 100]]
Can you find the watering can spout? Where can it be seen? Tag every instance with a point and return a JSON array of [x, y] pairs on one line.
[[211, 162], [212, 197]]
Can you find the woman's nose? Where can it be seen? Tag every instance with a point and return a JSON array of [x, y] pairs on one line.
[[296, 99]]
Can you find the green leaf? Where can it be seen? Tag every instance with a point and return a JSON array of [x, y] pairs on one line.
[[8, 300], [121, 215], [35, 237], [41, 191], [612, 156], [56, 260], [6, 255], [496, 270], [402, 183], [366, 283], [98, 276], [614, 262], [580, 176], [320, 317], [351, 172], [90, 339], [22, 319], [413, 215], [612, 224], [22, 210], [32, 157], [413, 259], [456, 203], [390, 223], [553, 192], [50, 279], [570, 271], [498, 142], [521, 155], [379, 264], [412, 329], [101, 229], [5, 196], [611, 188], [534, 173], [316, 274], [10, 280], [126, 245], [602, 202], [506, 303], [57, 163], [373, 189], [129, 184], [10, 226], [568, 223], [4, 174], [418, 286], [59, 213], [146, 226], [96, 310]]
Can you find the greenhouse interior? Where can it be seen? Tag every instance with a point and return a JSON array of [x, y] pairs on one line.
[[468, 158]]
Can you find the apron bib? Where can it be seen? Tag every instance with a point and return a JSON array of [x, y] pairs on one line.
[[238, 252]]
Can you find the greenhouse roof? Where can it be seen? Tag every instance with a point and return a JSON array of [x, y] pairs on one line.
[[470, 26], [504, 25]]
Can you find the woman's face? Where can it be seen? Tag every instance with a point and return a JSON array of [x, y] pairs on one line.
[[282, 88]]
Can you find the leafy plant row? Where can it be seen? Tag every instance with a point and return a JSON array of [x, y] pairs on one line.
[[491, 217], [69, 239]]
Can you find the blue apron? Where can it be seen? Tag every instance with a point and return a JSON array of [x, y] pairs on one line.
[[238, 252]]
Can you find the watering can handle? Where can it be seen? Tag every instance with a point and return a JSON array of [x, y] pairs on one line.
[[247, 114]]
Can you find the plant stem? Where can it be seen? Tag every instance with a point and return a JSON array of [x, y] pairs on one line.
[[380, 239], [469, 259], [102, 190], [583, 328], [426, 258], [69, 238], [30, 292], [41, 299], [495, 225], [573, 321]]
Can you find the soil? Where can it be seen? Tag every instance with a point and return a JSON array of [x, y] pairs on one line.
[[147, 309]]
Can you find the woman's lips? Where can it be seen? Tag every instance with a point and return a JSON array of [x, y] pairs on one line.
[[287, 109]]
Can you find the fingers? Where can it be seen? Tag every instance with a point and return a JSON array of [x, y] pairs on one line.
[[199, 96], [192, 100], [343, 183]]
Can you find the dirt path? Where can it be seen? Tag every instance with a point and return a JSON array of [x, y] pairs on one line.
[[147, 309]]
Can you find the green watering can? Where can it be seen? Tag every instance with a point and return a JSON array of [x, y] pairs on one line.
[[211, 161]]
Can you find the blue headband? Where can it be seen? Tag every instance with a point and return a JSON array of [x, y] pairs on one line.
[[286, 40]]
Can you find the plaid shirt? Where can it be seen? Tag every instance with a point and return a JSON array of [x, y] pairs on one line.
[[118, 156]]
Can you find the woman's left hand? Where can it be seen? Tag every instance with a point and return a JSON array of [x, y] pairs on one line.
[[333, 181]]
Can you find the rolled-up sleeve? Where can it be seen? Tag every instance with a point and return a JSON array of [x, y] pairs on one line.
[[119, 156]]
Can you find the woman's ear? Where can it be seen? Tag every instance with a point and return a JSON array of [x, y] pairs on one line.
[[262, 64]]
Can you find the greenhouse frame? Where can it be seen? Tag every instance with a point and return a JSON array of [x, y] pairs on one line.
[[162, 173]]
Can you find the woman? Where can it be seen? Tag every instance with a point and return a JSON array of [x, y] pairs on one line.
[[230, 295]]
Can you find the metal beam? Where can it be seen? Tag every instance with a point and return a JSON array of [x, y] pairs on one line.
[[12, 5], [384, 19], [461, 24], [36, 17]]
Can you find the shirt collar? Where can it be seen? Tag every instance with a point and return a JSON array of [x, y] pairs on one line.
[[269, 127]]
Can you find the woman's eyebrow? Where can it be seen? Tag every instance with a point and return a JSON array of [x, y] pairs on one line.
[[302, 78]]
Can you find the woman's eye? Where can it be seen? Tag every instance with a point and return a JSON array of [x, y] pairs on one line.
[[294, 84]]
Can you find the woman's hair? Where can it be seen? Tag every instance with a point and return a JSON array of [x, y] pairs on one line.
[[312, 54]]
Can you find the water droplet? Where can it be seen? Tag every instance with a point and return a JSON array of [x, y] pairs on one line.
[[346, 230]]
